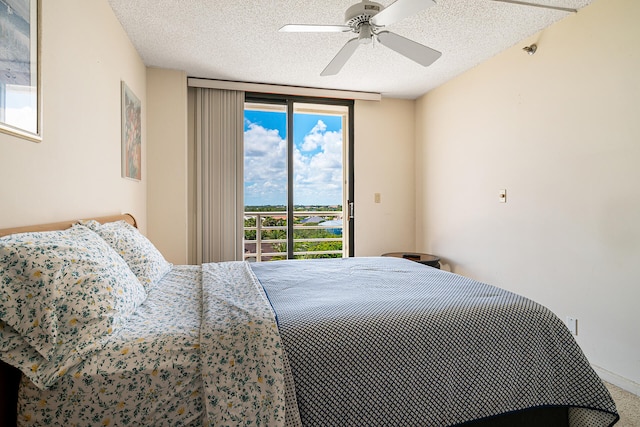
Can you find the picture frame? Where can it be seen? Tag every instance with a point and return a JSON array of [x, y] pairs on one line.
[[20, 82], [131, 134]]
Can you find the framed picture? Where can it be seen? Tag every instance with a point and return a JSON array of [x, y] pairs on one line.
[[20, 100], [131, 135]]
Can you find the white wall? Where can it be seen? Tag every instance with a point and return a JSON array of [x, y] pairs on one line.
[[76, 171], [384, 163], [167, 156], [559, 131]]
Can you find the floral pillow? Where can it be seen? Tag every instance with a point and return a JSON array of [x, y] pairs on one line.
[[62, 291], [143, 258], [10, 339], [43, 373]]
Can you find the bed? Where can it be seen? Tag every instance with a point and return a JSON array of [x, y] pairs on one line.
[[126, 338]]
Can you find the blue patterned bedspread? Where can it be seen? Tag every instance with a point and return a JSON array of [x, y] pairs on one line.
[[386, 341], [364, 341]]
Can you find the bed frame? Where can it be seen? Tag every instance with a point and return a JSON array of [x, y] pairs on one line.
[[10, 376], [63, 225]]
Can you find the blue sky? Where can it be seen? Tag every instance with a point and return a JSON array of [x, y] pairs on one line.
[[317, 159]]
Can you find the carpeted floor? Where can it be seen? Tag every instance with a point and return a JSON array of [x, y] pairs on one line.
[[628, 405]]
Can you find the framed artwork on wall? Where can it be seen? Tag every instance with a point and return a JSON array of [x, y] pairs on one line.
[[20, 98], [131, 135]]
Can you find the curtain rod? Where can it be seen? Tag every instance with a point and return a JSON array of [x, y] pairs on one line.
[[283, 90]]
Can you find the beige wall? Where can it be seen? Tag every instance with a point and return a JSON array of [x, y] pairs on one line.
[[559, 131], [384, 159], [75, 171], [167, 158], [384, 163]]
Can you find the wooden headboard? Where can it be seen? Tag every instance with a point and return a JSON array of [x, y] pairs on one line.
[[10, 376], [63, 225]]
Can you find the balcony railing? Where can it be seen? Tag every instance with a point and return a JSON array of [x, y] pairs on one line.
[[265, 235]]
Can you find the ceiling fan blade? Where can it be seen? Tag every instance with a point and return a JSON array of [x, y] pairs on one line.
[[399, 10], [417, 52], [341, 58], [310, 28], [522, 3]]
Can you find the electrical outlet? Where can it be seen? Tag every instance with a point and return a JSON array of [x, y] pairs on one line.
[[572, 324]]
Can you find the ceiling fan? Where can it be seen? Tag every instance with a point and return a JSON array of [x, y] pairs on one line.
[[367, 19]]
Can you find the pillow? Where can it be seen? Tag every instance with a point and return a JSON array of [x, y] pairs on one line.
[[10, 339], [64, 290], [41, 372], [143, 258]]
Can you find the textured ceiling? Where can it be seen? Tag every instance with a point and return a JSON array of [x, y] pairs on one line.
[[238, 40]]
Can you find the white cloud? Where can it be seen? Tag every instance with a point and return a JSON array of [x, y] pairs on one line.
[[317, 167], [265, 166], [318, 178], [314, 138]]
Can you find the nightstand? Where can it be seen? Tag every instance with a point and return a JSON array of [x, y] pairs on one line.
[[426, 259]]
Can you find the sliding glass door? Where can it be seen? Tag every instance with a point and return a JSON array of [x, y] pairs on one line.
[[298, 180]]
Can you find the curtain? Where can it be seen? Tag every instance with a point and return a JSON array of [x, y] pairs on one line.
[[219, 159]]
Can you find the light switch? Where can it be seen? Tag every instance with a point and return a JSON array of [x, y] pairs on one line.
[[376, 197], [572, 324]]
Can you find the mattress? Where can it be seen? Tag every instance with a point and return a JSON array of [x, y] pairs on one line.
[[386, 341], [203, 349], [147, 374], [359, 341]]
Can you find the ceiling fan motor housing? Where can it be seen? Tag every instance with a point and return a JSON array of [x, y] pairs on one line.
[[361, 13]]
